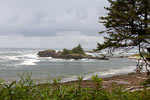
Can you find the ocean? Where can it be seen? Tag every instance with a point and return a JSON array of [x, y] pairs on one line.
[[14, 62]]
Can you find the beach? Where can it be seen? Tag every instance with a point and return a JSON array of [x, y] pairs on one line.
[[126, 81]]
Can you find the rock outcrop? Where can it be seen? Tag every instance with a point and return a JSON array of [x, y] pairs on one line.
[[54, 54], [47, 53]]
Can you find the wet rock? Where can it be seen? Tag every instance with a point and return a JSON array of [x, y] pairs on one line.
[[54, 54], [47, 53]]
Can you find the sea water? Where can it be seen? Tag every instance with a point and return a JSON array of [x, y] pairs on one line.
[[14, 62]]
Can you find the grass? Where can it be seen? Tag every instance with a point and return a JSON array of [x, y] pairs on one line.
[[26, 89]]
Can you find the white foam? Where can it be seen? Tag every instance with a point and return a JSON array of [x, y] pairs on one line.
[[68, 79], [90, 60], [58, 50], [32, 56], [11, 65], [70, 60], [61, 60], [29, 59], [12, 58], [29, 62], [93, 54], [110, 72], [123, 70]]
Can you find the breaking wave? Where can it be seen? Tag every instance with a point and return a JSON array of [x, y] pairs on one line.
[[13, 60], [110, 72], [24, 58]]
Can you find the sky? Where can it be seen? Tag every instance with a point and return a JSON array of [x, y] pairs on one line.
[[51, 23]]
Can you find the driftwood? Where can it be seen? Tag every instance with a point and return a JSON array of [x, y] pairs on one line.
[[142, 78], [136, 88]]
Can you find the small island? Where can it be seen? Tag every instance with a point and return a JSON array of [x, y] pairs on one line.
[[76, 53]]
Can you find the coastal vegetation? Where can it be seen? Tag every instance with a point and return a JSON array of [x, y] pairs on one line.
[[75, 53], [127, 26], [27, 89], [75, 50]]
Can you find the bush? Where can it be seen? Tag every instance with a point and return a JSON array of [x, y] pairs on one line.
[[27, 90], [77, 50], [65, 52]]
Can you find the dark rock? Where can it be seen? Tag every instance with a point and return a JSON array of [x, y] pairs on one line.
[[47, 53], [73, 56], [54, 54]]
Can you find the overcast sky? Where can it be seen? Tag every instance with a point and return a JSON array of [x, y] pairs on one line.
[[50, 23]]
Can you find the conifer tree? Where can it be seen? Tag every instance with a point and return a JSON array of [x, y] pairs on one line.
[[78, 50], [127, 25]]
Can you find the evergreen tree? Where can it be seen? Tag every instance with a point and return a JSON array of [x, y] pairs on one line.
[[65, 52], [127, 25], [78, 50]]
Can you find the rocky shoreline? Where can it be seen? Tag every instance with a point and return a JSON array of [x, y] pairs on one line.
[[127, 81], [59, 54]]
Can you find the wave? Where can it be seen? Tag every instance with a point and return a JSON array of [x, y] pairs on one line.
[[103, 74], [31, 56], [32, 59], [21, 59], [29, 62], [11, 58], [111, 72], [70, 60], [29, 59]]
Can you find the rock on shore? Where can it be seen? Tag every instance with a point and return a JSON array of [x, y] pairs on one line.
[[54, 54]]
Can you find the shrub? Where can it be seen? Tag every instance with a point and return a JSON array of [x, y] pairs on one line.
[[78, 50], [26, 90], [75, 50], [65, 52]]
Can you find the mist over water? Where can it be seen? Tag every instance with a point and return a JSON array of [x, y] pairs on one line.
[[14, 61]]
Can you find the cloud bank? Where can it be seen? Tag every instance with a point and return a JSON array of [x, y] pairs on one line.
[[41, 21]]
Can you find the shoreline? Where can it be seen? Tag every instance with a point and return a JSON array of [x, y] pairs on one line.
[[126, 80]]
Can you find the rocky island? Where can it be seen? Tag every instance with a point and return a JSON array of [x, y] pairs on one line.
[[76, 53]]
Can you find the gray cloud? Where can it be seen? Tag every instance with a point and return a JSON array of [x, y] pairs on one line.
[[49, 17], [50, 23], [63, 40]]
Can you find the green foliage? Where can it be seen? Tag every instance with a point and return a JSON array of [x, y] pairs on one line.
[[65, 52], [97, 81], [146, 54], [56, 91], [146, 82], [75, 50], [127, 24]]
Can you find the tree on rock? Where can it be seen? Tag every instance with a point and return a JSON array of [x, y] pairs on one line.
[[127, 25], [77, 50], [65, 52]]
